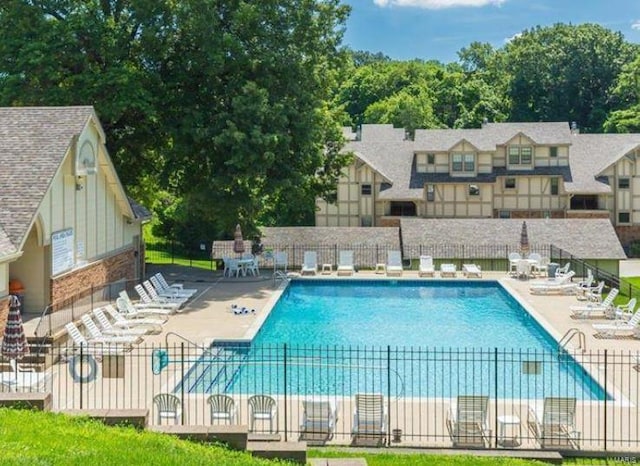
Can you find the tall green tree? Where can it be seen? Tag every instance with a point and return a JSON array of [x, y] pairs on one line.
[[222, 103], [626, 117], [565, 73]]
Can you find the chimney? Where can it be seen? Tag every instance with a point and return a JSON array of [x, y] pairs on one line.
[[574, 128]]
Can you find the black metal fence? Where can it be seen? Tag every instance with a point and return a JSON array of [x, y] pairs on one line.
[[415, 396]]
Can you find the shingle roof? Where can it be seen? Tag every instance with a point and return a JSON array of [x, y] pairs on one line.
[[6, 247], [33, 143], [331, 235], [139, 211], [584, 238], [591, 154]]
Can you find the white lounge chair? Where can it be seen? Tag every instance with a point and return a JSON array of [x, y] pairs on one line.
[[174, 286], [619, 326], [165, 297], [262, 408], [426, 268], [622, 311], [108, 328], [94, 347], [588, 310], [345, 263], [153, 325], [540, 267], [369, 418], [448, 270], [514, 258], [591, 293], [560, 285], [394, 263], [96, 335], [280, 260], [553, 423], [471, 270], [310, 263], [467, 421], [564, 270], [164, 291], [157, 303], [318, 420], [139, 310]]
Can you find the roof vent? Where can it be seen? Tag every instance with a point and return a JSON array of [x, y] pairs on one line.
[[574, 128]]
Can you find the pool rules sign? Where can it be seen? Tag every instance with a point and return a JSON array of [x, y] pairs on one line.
[[62, 258]]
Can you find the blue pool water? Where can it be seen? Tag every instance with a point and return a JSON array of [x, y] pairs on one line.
[[409, 338]]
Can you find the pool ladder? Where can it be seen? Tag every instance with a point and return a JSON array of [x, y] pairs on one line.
[[570, 335], [280, 275]]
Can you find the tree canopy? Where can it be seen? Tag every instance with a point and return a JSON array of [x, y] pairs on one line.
[[227, 111]]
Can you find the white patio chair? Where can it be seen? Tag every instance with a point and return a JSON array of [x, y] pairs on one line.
[[318, 420], [514, 258], [426, 268], [167, 407], [176, 286], [161, 303], [310, 263], [108, 328], [96, 335], [222, 408], [467, 421], [471, 270], [553, 423], [619, 326], [345, 263], [369, 418], [588, 310], [262, 408], [448, 270]]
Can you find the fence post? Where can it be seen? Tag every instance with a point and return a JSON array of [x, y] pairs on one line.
[[285, 391], [81, 375], [495, 394], [182, 379], [388, 394], [605, 397], [173, 255]]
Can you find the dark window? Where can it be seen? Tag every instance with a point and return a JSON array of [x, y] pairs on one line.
[[553, 151], [403, 209], [624, 217], [509, 183], [554, 186], [365, 189], [430, 193], [504, 214], [623, 183], [579, 202], [474, 190], [431, 159]]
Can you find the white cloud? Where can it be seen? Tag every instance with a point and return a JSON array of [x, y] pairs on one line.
[[635, 25], [437, 4], [515, 36]]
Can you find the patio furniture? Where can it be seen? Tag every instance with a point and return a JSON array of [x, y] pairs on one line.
[[222, 408], [467, 421], [167, 407], [448, 270], [345, 263], [471, 270], [369, 418], [310, 263], [553, 423], [262, 408], [319, 418], [587, 310], [619, 326], [426, 268], [394, 263]]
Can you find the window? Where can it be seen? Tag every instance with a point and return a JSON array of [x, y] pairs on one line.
[[463, 163], [555, 183], [520, 155], [624, 217], [509, 183], [474, 190], [403, 209], [366, 221], [553, 151], [623, 183], [430, 193], [431, 159], [504, 214], [365, 189]]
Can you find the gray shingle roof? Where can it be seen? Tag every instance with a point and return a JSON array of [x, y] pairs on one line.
[[6, 247], [331, 235], [139, 211], [33, 143], [584, 238], [591, 154]]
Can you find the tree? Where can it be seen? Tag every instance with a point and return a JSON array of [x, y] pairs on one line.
[[221, 103], [626, 96], [565, 73]]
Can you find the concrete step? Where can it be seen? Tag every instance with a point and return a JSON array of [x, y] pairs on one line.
[[337, 462], [290, 451]]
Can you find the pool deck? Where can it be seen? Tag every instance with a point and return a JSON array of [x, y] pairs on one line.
[[208, 316]]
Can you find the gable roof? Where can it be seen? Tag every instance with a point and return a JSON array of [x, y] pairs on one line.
[[278, 236], [584, 238], [591, 154], [33, 143]]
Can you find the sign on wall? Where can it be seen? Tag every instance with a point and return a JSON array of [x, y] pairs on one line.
[[62, 251]]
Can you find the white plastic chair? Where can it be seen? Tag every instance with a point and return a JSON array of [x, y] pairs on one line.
[[310, 263], [262, 408], [426, 268], [222, 408], [514, 258], [168, 407], [467, 421]]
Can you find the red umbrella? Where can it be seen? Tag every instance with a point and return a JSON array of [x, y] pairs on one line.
[[14, 341], [238, 242]]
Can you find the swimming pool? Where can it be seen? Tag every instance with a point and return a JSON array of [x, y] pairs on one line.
[[402, 337]]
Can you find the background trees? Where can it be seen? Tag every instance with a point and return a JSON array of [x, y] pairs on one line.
[[227, 111]]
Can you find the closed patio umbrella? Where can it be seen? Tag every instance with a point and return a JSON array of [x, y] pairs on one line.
[[238, 241], [524, 240], [14, 341]]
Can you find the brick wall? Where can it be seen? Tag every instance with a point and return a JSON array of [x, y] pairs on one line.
[[389, 222], [588, 214], [628, 234], [77, 283]]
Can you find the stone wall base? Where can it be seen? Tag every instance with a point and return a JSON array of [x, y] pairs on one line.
[[628, 234]]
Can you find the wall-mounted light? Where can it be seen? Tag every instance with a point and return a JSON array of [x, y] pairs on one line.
[[79, 186]]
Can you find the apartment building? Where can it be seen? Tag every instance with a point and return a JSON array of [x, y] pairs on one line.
[[502, 170]]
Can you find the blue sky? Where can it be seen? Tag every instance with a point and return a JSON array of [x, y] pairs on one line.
[[437, 29]]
